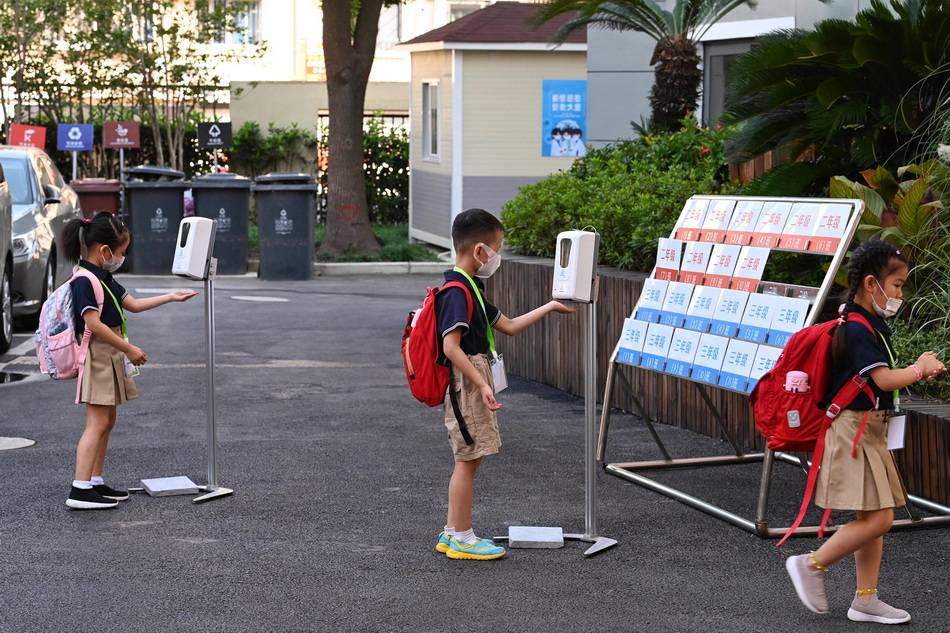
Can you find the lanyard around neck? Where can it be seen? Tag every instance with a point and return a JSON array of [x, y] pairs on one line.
[[118, 306], [478, 295], [890, 354]]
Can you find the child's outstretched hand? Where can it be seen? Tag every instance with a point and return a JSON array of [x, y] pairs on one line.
[[182, 296], [488, 397], [930, 365], [557, 306]]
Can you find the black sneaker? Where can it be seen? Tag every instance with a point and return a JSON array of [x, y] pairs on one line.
[[88, 499], [111, 493]]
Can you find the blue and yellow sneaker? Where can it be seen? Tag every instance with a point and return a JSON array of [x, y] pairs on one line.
[[482, 549], [443, 545]]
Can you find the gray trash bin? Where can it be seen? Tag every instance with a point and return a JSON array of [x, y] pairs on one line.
[[226, 199], [285, 217], [154, 200]]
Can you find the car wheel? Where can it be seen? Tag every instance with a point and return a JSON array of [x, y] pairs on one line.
[[6, 314]]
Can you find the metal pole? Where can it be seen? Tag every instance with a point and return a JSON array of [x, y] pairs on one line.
[[215, 161], [122, 182], [209, 332], [74, 165], [590, 413]]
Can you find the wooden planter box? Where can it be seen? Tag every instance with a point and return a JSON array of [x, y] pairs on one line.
[[551, 353]]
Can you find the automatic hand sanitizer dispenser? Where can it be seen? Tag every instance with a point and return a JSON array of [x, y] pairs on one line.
[[575, 265], [194, 247]]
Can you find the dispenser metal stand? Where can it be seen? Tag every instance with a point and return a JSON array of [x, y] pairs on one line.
[[212, 490], [590, 534]]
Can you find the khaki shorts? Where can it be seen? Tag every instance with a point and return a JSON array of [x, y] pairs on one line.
[[482, 423]]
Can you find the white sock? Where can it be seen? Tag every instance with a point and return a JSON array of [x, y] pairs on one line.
[[449, 530], [467, 537], [84, 485], [97, 480]]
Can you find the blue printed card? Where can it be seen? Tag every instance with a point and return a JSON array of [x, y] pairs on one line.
[[757, 318], [788, 318], [675, 303], [701, 308], [737, 365], [728, 312], [709, 358], [765, 359], [682, 352], [656, 346], [630, 345], [651, 300]]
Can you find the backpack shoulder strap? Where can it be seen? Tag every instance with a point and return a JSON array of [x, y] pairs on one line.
[[470, 303], [97, 290], [859, 318]]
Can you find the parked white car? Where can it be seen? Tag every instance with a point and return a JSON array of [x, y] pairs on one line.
[[6, 266], [42, 204]]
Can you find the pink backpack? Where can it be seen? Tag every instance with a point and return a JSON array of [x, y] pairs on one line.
[[60, 353]]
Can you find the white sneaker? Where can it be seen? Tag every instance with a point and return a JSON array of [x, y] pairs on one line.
[[809, 583], [873, 609]]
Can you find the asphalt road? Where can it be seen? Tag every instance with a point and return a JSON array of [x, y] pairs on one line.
[[340, 481]]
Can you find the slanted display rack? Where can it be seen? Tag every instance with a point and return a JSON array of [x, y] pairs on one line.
[[707, 315]]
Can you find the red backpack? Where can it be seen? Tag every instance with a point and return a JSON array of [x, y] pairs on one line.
[[791, 421], [422, 347]]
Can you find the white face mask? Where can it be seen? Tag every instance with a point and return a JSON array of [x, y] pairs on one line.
[[891, 308], [114, 265], [487, 269]]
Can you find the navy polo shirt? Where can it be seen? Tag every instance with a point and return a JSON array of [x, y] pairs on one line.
[[451, 310], [85, 299], [866, 352]]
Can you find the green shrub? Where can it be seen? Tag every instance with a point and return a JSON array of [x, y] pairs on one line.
[[631, 192], [911, 341]]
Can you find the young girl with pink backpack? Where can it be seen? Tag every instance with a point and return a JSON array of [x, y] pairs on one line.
[[83, 334]]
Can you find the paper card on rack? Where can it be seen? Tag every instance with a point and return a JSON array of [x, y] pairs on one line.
[[737, 365], [668, 255], [630, 345], [675, 303], [744, 219], [765, 358], [691, 220], [695, 262], [722, 263], [771, 223], [830, 229], [749, 271], [702, 307], [728, 312], [682, 351], [651, 300], [789, 317], [757, 317], [709, 356], [656, 346], [801, 224], [717, 221]]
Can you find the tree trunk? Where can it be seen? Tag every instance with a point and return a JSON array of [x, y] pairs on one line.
[[675, 92], [349, 59]]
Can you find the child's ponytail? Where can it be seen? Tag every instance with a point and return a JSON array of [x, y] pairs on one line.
[[875, 257], [105, 228]]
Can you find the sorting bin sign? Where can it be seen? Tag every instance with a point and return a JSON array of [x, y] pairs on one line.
[[224, 221], [74, 137], [121, 135], [159, 221], [214, 135], [27, 135], [282, 224]]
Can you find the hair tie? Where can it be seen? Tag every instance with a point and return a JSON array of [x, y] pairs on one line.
[[87, 221]]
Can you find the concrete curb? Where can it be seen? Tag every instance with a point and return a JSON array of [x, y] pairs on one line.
[[326, 269]]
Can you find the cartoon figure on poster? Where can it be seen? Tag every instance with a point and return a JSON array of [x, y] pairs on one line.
[[563, 118]]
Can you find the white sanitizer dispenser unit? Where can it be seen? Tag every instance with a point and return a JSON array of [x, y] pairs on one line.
[[575, 265], [194, 247]]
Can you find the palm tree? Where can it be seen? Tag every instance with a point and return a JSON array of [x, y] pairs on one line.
[[677, 32]]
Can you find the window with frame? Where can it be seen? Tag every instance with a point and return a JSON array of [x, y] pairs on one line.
[[246, 23], [718, 58], [430, 120]]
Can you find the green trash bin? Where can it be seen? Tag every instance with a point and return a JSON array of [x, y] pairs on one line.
[[225, 198], [286, 205], [154, 197]]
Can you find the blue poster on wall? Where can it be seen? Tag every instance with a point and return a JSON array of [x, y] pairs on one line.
[[563, 117]]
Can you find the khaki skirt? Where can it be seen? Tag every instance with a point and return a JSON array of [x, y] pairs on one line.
[[103, 379], [869, 481]]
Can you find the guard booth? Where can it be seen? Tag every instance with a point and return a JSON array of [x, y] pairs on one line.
[[708, 316]]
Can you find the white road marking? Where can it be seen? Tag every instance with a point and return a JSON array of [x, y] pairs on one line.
[[26, 346], [271, 364], [259, 299]]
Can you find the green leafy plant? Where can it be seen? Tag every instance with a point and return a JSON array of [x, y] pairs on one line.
[[677, 32], [910, 341], [852, 95], [631, 192]]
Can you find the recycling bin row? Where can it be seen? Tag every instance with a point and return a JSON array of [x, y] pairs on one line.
[[154, 200]]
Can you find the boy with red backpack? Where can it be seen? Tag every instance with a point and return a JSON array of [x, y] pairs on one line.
[[464, 320], [853, 469]]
